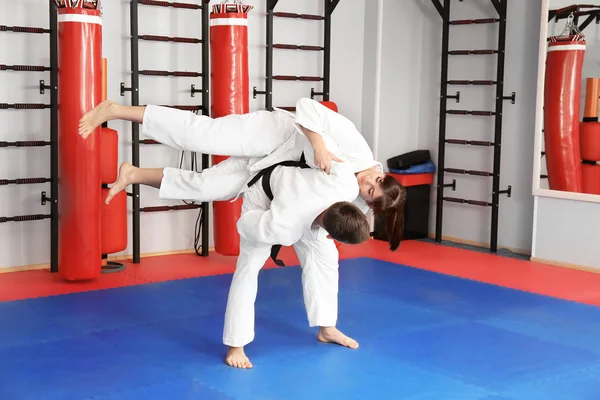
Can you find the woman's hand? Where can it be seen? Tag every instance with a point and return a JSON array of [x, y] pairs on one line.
[[323, 158]]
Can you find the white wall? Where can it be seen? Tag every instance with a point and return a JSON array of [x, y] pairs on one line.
[[371, 70], [400, 77], [566, 231], [410, 107], [28, 243]]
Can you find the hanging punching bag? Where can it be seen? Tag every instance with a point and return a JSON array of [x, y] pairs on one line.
[[113, 216], [592, 93], [561, 112], [590, 178], [79, 90], [229, 95]]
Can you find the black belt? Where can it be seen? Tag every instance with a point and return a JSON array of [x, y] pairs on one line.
[[265, 174]]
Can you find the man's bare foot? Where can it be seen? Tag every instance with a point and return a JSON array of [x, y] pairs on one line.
[[331, 334], [125, 178], [237, 358], [100, 114]]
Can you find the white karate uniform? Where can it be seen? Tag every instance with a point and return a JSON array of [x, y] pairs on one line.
[[318, 255]]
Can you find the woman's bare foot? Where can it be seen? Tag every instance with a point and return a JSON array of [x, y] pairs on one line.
[[125, 178], [237, 358], [100, 114], [331, 334]]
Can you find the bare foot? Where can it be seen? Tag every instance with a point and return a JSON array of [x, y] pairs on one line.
[[237, 358], [100, 114], [124, 179], [332, 334]]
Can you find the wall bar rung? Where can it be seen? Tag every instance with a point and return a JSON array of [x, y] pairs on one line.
[[465, 201], [468, 112], [174, 5], [469, 142], [174, 39], [474, 21], [170, 208], [23, 181], [475, 82], [29, 143], [471, 52], [24, 106], [149, 141], [292, 109], [298, 47], [153, 72], [23, 218], [300, 16], [23, 29], [24, 68], [297, 78], [467, 172]]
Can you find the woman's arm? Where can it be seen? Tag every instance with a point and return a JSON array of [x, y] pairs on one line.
[[322, 125], [323, 156]]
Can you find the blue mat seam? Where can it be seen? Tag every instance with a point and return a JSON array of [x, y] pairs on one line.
[[558, 377]]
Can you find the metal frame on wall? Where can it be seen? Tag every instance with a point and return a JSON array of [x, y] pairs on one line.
[[135, 101], [53, 142], [330, 6], [444, 11], [592, 12]]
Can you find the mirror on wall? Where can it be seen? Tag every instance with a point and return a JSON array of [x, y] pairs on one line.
[[569, 127]]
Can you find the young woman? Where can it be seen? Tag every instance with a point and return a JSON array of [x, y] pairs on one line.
[[257, 140]]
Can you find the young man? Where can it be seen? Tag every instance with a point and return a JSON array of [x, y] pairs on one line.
[[316, 251], [306, 209]]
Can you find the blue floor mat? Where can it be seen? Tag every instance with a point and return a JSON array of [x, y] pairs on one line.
[[423, 336]]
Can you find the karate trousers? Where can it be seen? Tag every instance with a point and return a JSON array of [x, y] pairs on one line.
[[318, 257], [242, 137], [252, 135]]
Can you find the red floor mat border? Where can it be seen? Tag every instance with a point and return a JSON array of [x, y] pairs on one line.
[[568, 284]]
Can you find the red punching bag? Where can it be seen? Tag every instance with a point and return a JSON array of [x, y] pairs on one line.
[[113, 216], [561, 112], [330, 104], [79, 90], [591, 178], [229, 95], [114, 223], [109, 155]]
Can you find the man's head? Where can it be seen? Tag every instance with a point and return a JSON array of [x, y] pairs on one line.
[[345, 223]]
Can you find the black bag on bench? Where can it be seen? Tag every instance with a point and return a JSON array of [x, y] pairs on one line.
[[409, 159]]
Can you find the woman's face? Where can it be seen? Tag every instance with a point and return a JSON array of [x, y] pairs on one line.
[[370, 185]]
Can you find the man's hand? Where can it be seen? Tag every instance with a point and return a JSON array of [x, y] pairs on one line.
[[323, 158]]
